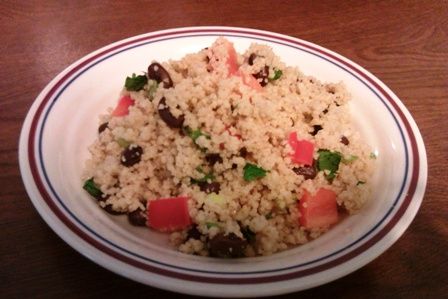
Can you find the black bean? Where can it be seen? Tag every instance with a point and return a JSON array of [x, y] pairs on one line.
[[248, 234], [102, 127], [131, 155], [344, 140], [167, 117], [316, 128], [108, 208], [158, 73], [308, 172], [213, 187], [262, 76], [137, 217], [252, 58], [212, 159], [243, 152], [102, 197], [342, 211], [194, 233], [225, 246]]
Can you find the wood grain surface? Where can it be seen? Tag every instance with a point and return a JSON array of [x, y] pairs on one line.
[[404, 43]]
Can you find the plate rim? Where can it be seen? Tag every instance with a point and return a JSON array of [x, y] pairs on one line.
[[25, 144]]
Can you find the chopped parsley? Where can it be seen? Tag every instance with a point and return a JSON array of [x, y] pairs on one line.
[[277, 75], [211, 224], [349, 159], [135, 83], [195, 134], [92, 188], [360, 183], [253, 172], [152, 88], [123, 142], [329, 163], [206, 176]]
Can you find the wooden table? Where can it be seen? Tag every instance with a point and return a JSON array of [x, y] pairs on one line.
[[404, 43]]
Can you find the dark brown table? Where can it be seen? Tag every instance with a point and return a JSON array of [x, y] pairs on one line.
[[404, 43]]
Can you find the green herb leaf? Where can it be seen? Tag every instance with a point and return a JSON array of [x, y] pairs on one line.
[[211, 224], [248, 234], [135, 83], [277, 75], [123, 142], [152, 88], [349, 159], [205, 178], [360, 183], [253, 172], [329, 161], [195, 134], [92, 188]]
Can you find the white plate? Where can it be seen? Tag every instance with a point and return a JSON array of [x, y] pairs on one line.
[[62, 122]]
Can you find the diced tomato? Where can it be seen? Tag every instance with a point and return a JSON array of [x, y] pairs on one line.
[[123, 105], [169, 214], [250, 81], [319, 210], [232, 62], [232, 65], [303, 150]]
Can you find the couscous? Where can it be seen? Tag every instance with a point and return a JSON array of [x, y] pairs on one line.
[[234, 155]]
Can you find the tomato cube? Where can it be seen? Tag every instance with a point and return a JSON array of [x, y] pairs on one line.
[[250, 81], [232, 63], [303, 150], [319, 210], [123, 105], [169, 214]]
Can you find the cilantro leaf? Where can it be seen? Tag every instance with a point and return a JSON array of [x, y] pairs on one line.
[[329, 161], [195, 134], [123, 142], [253, 172], [152, 88], [135, 83], [277, 75], [92, 188], [207, 176], [349, 159], [211, 224]]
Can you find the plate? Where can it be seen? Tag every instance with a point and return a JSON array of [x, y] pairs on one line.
[[62, 123]]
